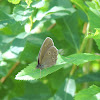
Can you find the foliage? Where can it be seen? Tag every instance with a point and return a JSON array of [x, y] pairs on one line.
[[74, 27], [94, 94]]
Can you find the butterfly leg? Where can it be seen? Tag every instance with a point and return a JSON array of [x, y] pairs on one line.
[[40, 73]]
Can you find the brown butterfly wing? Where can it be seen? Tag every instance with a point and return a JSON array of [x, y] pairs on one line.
[[48, 42], [50, 57]]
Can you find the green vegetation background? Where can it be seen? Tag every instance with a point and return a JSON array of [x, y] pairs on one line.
[[74, 26]]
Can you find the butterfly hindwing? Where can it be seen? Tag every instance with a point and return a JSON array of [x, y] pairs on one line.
[[50, 57], [48, 42]]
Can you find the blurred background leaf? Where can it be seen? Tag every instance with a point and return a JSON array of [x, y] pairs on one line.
[[67, 90]]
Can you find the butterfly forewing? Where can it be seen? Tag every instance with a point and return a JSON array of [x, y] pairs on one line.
[[48, 42], [50, 57]]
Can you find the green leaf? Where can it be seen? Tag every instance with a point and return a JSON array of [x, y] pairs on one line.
[[0, 57], [94, 6], [5, 42], [93, 19], [31, 73], [22, 13], [89, 78], [67, 90], [92, 11], [69, 30], [96, 37], [61, 3], [32, 92], [38, 4], [81, 58], [18, 45], [55, 13], [14, 1], [56, 84], [92, 93], [8, 25], [57, 10], [9, 55], [81, 4], [29, 53], [60, 10], [94, 14]]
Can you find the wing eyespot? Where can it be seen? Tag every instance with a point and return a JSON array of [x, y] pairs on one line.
[[49, 52]]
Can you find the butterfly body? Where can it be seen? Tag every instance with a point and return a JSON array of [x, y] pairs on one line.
[[47, 55], [40, 66]]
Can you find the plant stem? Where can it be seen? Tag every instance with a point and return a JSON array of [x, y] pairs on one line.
[[80, 51], [10, 71], [31, 22], [83, 45], [52, 26], [73, 70], [88, 50]]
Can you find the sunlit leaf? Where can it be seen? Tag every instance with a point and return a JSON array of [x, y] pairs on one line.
[[89, 94], [96, 37], [31, 73], [14, 1]]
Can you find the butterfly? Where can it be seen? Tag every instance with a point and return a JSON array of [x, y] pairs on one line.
[[47, 54]]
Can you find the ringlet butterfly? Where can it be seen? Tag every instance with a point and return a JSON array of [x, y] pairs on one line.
[[47, 54]]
